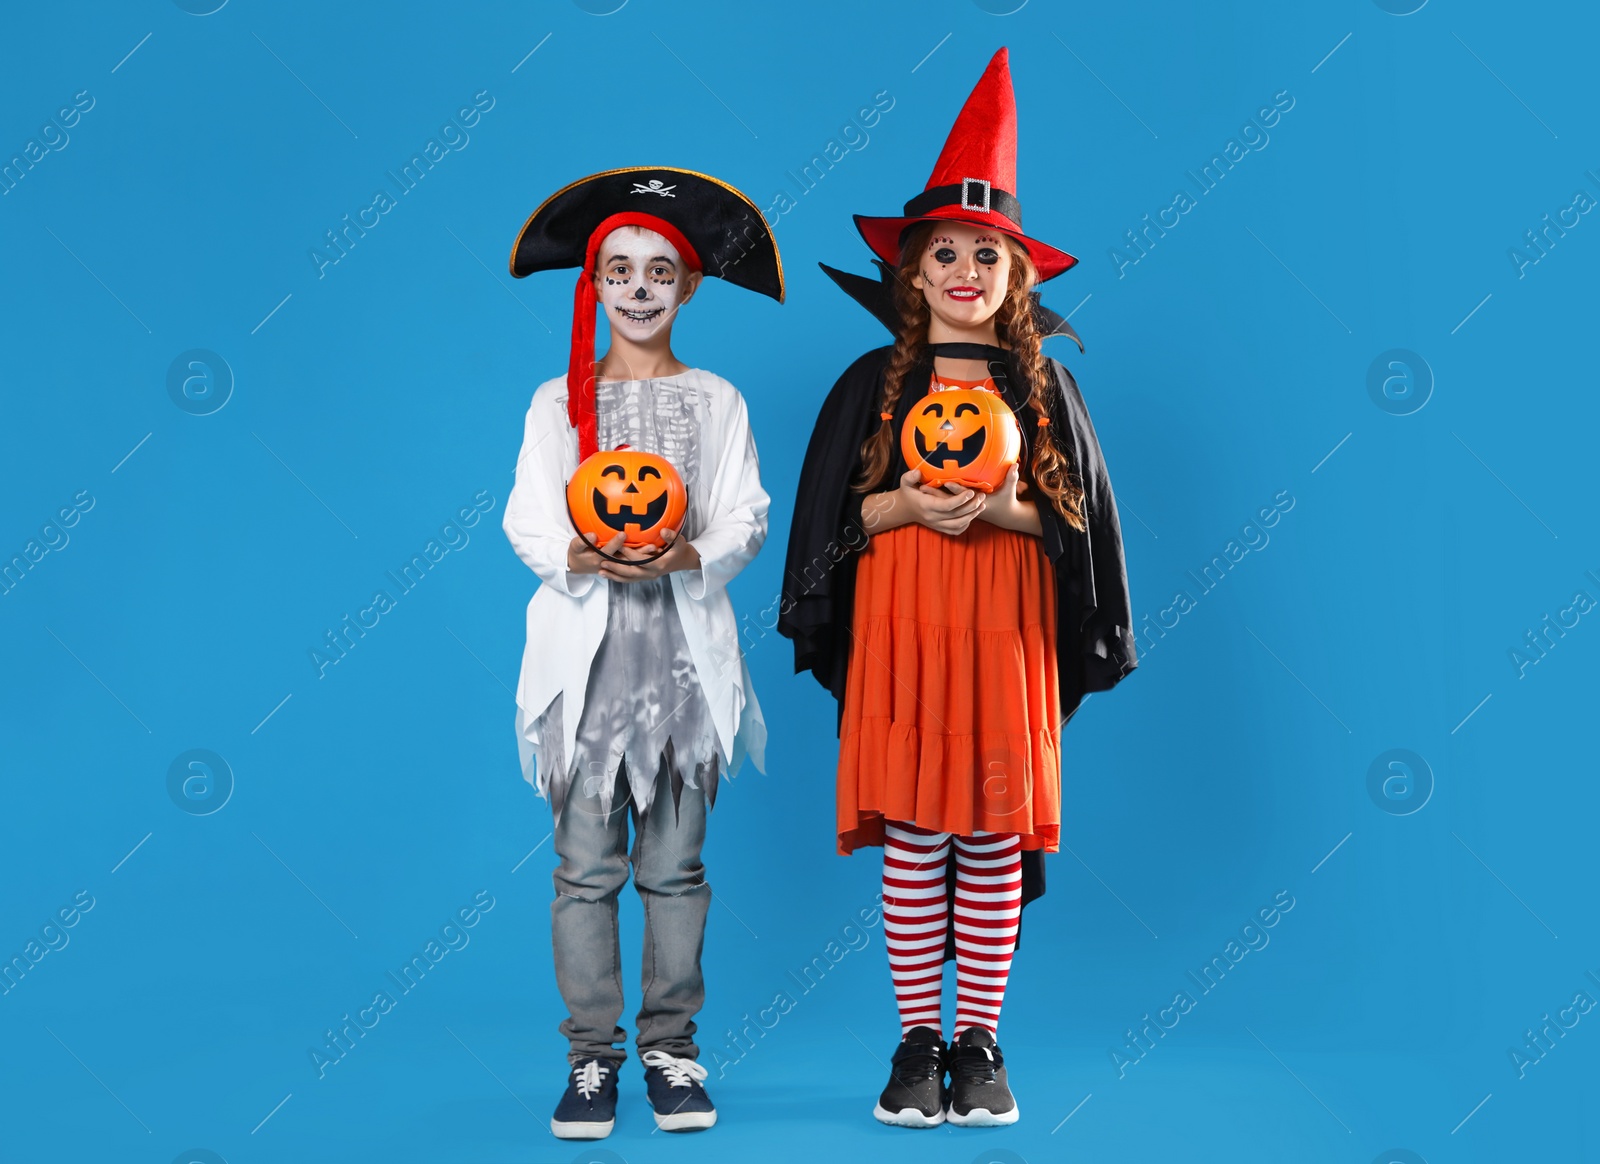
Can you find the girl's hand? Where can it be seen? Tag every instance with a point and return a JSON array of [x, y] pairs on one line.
[[949, 509], [1007, 510], [680, 555]]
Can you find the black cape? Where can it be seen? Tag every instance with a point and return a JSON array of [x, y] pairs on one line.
[[1094, 639]]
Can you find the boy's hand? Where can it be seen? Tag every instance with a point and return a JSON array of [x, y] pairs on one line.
[[680, 555], [581, 558]]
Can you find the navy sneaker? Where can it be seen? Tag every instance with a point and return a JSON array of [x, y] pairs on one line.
[[979, 1095], [673, 1085], [588, 1110], [916, 1095]]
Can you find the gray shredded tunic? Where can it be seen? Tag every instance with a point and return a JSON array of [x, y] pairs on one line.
[[643, 710]]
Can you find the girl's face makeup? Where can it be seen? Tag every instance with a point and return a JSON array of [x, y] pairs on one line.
[[965, 273], [641, 281]]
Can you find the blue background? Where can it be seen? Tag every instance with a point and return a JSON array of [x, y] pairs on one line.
[[1433, 923]]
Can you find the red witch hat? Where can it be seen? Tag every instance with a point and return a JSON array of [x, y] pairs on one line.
[[975, 178]]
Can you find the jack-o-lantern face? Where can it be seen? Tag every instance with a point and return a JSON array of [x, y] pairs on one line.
[[625, 491], [963, 435]]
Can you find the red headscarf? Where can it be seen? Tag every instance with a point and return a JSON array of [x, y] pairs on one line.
[[580, 360]]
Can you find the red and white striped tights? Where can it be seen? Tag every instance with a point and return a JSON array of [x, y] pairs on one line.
[[916, 917]]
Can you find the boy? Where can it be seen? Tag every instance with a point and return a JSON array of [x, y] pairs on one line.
[[633, 694]]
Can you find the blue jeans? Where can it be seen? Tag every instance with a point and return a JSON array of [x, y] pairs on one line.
[[593, 847]]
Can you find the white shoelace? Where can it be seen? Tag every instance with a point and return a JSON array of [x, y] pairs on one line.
[[587, 1078], [678, 1071]]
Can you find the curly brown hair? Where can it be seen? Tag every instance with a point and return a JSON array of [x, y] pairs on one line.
[[1014, 324]]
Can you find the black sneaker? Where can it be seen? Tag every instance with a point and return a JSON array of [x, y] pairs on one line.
[[915, 1096], [588, 1110], [673, 1086], [979, 1097]]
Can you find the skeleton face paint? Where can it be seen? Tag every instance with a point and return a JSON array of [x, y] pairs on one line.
[[640, 281]]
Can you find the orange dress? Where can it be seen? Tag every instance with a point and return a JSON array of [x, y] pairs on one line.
[[952, 712]]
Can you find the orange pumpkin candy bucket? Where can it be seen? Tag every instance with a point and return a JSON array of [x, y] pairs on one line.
[[626, 491], [965, 436]]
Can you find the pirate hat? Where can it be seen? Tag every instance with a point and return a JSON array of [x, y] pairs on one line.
[[975, 178], [714, 227]]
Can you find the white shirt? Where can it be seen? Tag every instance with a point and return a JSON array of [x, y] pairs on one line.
[[567, 614]]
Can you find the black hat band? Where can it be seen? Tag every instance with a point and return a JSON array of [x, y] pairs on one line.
[[969, 194]]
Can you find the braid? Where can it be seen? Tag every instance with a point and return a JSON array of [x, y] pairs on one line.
[[910, 347], [1014, 321], [1014, 324]]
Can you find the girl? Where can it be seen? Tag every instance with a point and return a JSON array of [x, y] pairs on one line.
[[957, 629], [633, 695]]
